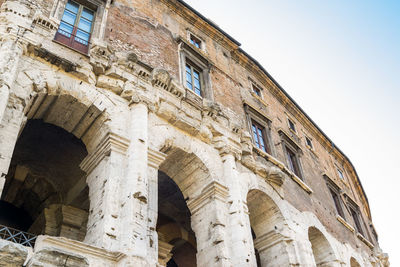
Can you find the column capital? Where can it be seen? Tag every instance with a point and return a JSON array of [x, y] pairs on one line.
[[155, 158], [227, 146], [269, 239], [112, 142], [214, 190]]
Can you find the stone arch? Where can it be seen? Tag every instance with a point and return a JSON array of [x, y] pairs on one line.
[[354, 262], [269, 226], [43, 169], [187, 170], [322, 250]]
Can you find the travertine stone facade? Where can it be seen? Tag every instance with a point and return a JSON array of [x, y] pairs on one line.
[[112, 160]]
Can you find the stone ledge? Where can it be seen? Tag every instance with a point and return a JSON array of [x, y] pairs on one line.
[[363, 239], [78, 248], [280, 165], [346, 224]]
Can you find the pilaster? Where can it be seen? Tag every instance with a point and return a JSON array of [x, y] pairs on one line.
[[104, 168], [209, 223], [155, 158], [238, 225]]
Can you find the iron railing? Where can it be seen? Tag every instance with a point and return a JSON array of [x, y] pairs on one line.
[[17, 236]]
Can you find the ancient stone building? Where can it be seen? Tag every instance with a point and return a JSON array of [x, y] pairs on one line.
[[138, 133]]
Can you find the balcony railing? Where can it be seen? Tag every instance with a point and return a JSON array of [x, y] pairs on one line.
[[17, 236]]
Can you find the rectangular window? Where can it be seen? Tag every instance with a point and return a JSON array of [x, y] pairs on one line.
[[338, 205], [76, 27], [259, 136], [256, 90], [340, 173], [193, 79], [309, 142], [356, 219], [195, 41], [293, 162], [291, 125]]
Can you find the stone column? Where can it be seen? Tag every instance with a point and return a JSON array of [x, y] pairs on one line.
[[105, 169], [10, 53], [241, 241], [209, 212], [134, 195], [155, 158], [10, 128]]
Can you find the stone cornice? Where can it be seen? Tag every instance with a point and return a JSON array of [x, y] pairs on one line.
[[110, 143], [155, 158], [80, 247], [269, 240], [213, 191], [200, 23]]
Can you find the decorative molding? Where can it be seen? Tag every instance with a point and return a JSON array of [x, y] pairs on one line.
[[227, 147], [110, 143], [155, 158], [346, 224], [164, 252], [213, 191], [269, 240], [80, 248]]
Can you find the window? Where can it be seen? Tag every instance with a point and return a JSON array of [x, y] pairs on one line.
[[193, 78], [336, 199], [195, 74], [195, 41], [293, 162], [355, 214], [309, 142], [340, 173], [334, 190], [291, 125], [75, 27], [256, 90], [259, 136]]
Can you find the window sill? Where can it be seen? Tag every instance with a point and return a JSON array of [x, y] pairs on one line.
[[363, 239], [73, 49], [193, 98], [280, 165], [346, 224]]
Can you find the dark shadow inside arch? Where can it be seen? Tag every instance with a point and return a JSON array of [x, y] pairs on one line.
[[38, 196], [173, 224]]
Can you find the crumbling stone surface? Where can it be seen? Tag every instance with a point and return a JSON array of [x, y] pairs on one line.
[[12, 254], [53, 257]]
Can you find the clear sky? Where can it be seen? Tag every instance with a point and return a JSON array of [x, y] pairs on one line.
[[340, 61]]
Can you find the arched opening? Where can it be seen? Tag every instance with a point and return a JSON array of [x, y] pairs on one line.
[[173, 225], [182, 176], [39, 195], [322, 250], [354, 263], [267, 224]]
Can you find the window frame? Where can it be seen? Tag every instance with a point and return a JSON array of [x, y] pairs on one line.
[[355, 213], [256, 90], [290, 124], [252, 115], [193, 70], [289, 145], [335, 190], [260, 130], [189, 55], [193, 40], [309, 142], [59, 9]]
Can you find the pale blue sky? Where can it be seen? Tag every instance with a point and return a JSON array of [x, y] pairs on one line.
[[340, 60]]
